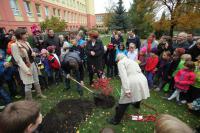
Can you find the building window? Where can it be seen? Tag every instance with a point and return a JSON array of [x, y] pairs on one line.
[[59, 14], [54, 11], [14, 7], [46, 11], [65, 15], [27, 8], [38, 10]]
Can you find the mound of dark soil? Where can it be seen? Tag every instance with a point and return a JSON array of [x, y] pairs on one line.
[[66, 116], [103, 101]]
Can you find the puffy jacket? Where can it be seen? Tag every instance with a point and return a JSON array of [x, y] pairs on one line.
[[184, 78], [151, 63]]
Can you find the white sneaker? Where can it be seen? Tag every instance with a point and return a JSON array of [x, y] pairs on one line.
[[157, 89], [183, 101], [2, 107]]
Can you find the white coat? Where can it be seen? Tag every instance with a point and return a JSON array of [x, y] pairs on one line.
[[133, 81]]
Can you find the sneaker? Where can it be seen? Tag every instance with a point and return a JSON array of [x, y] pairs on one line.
[[2, 107], [41, 96], [183, 101], [179, 103], [18, 96], [157, 89]]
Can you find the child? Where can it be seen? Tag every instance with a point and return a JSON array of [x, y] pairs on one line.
[[194, 91], [142, 58], [47, 68], [183, 79], [110, 59], [41, 69], [173, 66], [150, 67], [54, 63], [163, 69], [133, 52], [20, 117], [120, 49], [3, 94]]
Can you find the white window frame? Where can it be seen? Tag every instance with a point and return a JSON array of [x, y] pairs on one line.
[[14, 7]]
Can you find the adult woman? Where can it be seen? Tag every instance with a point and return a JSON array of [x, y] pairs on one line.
[[24, 57], [134, 87], [95, 52], [150, 43]]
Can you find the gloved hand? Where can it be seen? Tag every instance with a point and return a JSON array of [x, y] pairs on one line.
[[68, 76]]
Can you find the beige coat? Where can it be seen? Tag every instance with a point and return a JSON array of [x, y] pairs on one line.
[[19, 52], [133, 81]]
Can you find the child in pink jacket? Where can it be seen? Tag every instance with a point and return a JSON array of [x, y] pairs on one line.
[[183, 79]]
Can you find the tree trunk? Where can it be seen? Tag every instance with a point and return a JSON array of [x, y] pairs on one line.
[[171, 30]]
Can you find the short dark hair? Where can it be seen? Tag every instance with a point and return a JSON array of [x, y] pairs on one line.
[[17, 116], [19, 32]]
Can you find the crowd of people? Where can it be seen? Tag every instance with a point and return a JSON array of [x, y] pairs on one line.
[[171, 65]]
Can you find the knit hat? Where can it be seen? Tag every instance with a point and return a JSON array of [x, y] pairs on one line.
[[180, 51], [44, 51], [144, 50], [154, 50]]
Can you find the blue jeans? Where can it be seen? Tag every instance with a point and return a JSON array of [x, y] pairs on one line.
[[4, 95], [149, 76], [67, 83]]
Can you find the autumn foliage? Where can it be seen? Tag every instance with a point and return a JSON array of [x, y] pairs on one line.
[[103, 85]]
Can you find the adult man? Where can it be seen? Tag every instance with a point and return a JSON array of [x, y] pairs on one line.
[[133, 38], [72, 64], [181, 41], [190, 40], [195, 50], [53, 40]]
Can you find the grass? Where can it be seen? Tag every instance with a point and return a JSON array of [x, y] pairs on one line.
[[97, 120]]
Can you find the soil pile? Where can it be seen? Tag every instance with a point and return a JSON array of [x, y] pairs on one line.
[[66, 116]]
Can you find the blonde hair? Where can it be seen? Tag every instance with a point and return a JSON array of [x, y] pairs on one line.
[[186, 57], [183, 34], [170, 124], [132, 45]]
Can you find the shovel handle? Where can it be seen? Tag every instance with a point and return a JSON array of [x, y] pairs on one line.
[[81, 84]]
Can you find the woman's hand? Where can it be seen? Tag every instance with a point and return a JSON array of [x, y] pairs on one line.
[[92, 53], [33, 54], [29, 73]]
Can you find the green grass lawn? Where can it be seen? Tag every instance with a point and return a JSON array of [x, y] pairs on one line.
[[97, 120]]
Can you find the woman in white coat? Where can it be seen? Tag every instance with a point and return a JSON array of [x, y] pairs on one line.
[[24, 58], [134, 87]]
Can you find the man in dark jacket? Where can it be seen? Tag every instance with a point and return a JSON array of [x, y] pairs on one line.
[[72, 63], [94, 52], [133, 38], [195, 50], [53, 40]]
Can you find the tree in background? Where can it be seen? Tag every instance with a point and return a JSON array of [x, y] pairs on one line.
[[141, 16], [183, 14], [109, 14], [119, 20], [54, 23]]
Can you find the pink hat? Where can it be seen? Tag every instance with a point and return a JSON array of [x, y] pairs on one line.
[[44, 51], [144, 49]]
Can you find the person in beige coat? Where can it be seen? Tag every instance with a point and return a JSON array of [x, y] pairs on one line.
[[24, 58], [134, 87]]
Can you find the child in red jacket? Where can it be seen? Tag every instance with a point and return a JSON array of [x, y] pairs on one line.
[[54, 62], [150, 67], [183, 79]]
